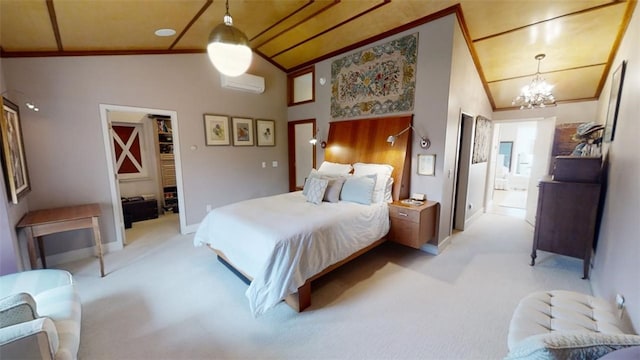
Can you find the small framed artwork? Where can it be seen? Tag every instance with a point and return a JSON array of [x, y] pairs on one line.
[[614, 102], [14, 161], [216, 130], [242, 131], [427, 164], [266, 132]]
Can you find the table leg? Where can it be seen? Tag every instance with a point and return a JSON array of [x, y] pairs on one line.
[[41, 250], [31, 247], [96, 236]]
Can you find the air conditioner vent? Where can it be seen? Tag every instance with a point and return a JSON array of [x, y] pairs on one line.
[[244, 82]]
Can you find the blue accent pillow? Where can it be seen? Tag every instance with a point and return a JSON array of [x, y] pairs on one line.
[[358, 189]]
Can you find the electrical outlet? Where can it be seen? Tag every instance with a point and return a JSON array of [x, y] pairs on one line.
[[264, 164], [208, 207]]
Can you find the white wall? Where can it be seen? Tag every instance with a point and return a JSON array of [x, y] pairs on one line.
[[65, 151], [616, 264]]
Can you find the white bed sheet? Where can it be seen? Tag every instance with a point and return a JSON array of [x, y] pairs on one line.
[[282, 240]]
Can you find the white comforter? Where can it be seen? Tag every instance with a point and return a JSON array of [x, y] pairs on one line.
[[282, 240]]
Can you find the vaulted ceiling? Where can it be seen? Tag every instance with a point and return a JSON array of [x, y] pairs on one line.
[[579, 37]]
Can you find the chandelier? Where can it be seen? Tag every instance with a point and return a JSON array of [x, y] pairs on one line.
[[537, 94], [228, 48]]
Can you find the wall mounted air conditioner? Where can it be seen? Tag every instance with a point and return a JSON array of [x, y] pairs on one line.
[[244, 82]]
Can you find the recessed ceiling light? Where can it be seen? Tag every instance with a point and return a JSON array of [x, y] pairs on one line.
[[165, 32]]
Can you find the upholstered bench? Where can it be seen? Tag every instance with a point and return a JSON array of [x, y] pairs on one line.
[[566, 325]]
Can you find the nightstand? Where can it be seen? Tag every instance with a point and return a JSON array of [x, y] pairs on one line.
[[413, 225]]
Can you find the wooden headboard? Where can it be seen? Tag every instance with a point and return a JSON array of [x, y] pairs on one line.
[[365, 140]]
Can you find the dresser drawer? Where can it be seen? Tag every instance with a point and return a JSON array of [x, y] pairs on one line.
[[404, 213]]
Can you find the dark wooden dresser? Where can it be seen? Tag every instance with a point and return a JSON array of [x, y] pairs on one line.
[[566, 219]]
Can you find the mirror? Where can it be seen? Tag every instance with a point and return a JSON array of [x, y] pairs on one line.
[[302, 155]]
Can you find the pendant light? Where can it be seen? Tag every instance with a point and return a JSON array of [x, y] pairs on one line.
[[537, 94], [228, 48]]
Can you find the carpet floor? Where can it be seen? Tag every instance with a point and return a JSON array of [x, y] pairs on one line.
[[162, 298]]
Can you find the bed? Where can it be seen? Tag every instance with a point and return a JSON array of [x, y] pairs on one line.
[[280, 244]]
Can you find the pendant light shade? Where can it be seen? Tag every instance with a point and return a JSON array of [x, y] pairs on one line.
[[228, 48]]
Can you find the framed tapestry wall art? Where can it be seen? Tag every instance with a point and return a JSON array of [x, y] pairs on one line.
[[14, 162], [481, 140], [378, 80]]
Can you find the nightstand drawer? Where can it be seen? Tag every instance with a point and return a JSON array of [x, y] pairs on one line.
[[413, 225], [404, 213], [405, 232]]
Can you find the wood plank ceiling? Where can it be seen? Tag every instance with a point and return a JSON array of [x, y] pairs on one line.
[[579, 37]]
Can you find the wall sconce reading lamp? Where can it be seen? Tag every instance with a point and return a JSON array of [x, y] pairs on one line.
[[424, 142], [29, 104], [314, 140]]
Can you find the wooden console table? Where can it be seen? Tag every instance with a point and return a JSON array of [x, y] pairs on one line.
[[49, 221]]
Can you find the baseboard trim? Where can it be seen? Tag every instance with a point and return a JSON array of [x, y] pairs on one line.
[[84, 253], [436, 249], [189, 229], [79, 254]]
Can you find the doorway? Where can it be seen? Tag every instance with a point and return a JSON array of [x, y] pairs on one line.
[[152, 170], [302, 154], [462, 166], [522, 154]]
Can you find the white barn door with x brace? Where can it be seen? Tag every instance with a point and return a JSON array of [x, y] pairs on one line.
[[129, 151]]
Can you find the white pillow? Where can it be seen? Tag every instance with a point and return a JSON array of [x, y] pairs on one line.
[[335, 168], [317, 187], [383, 172], [388, 191]]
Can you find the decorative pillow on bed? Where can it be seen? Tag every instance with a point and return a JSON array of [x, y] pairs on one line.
[[316, 190], [358, 189], [317, 174], [388, 191], [335, 168], [332, 194], [383, 172]]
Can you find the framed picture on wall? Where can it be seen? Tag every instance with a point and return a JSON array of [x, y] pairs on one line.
[[427, 164], [216, 129], [14, 162], [266, 132], [242, 131], [614, 102]]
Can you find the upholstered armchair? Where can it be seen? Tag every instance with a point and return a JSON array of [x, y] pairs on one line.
[[40, 315]]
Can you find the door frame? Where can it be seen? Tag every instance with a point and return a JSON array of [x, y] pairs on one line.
[[114, 185], [464, 149]]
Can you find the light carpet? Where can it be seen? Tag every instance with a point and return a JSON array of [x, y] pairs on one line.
[[162, 298], [514, 199]]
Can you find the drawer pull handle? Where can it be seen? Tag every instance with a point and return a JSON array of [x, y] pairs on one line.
[[402, 214]]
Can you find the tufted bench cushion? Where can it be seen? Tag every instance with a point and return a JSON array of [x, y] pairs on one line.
[[558, 322]]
